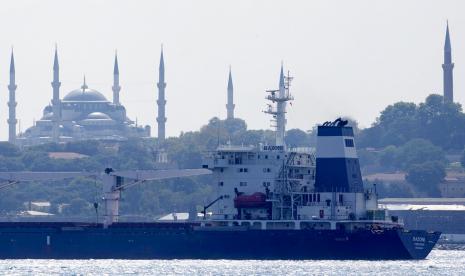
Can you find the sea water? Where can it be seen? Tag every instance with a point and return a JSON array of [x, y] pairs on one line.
[[439, 262]]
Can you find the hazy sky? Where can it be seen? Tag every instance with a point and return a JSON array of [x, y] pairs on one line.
[[348, 57]]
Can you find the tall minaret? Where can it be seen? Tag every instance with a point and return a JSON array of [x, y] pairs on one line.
[[161, 119], [116, 87], [447, 67], [56, 99], [230, 105], [12, 103]]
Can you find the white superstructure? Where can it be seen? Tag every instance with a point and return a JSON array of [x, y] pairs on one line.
[[275, 182]]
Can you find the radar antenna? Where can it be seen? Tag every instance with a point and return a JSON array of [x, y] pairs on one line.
[[277, 107]]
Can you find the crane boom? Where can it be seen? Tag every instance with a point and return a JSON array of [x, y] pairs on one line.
[[160, 174], [42, 176]]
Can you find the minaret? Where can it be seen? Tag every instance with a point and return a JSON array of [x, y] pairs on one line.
[[447, 68], [230, 105], [161, 119], [56, 99], [12, 103], [116, 87]]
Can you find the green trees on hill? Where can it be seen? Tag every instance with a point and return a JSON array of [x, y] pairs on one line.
[[441, 123], [414, 137], [415, 151], [426, 176], [423, 162]]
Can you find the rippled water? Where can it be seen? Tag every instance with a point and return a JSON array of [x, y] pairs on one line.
[[439, 262]]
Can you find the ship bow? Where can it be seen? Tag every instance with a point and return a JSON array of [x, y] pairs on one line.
[[418, 243]]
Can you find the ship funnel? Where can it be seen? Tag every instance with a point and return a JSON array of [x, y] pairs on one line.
[[337, 165]]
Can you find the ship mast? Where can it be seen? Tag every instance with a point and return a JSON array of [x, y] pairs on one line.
[[277, 107]]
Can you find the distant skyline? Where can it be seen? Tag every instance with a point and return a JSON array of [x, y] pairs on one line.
[[347, 58]]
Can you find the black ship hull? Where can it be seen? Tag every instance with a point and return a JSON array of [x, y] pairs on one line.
[[189, 241]]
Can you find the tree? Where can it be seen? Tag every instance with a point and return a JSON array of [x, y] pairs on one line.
[[366, 157], [434, 120], [9, 150], [426, 177], [234, 126], [388, 157], [394, 126], [88, 147], [441, 123], [10, 164], [296, 138], [418, 151]]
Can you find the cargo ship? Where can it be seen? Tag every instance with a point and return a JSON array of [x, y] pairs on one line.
[[273, 202]]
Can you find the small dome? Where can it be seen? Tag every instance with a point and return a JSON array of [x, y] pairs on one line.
[[84, 95], [47, 116], [98, 116], [97, 119], [48, 109]]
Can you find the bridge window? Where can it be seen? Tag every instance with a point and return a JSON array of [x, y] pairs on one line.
[[220, 183], [242, 184]]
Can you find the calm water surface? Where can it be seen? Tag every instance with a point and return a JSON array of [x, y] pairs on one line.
[[439, 262]]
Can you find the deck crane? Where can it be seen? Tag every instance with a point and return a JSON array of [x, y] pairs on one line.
[[114, 182]]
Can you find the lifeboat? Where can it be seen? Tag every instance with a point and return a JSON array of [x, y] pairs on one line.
[[255, 200]]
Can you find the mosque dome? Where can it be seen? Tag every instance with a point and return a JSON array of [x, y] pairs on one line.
[[85, 94], [97, 119], [47, 109], [48, 116], [98, 116]]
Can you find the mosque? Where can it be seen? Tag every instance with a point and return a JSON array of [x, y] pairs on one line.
[[86, 114], [83, 113]]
